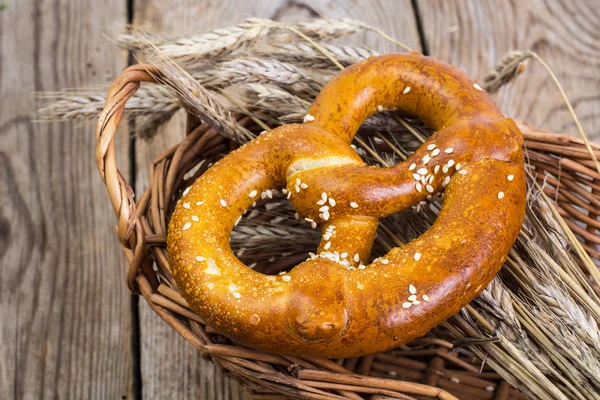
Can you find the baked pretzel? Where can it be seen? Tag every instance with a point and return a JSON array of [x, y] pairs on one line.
[[333, 304]]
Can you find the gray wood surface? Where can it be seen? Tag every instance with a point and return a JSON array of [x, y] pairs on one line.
[[65, 329], [474, 35], [68, 330]]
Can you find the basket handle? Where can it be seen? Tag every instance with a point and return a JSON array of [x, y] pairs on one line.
[[119, 191]]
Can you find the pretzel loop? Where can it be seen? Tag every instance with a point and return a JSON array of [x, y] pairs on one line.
[[333, 304]]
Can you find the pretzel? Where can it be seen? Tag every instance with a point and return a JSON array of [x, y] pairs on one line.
[[333, 304]]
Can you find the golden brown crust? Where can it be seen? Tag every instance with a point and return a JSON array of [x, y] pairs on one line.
[[333, 305]]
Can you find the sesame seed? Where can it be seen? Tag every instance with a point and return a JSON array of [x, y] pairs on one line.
[[356, 257], [450, 163], [297, 216], [331, 202], [284, 191], [422, 171], [324, 208], [458, 166], [298, 182], [187, 226], [286, 278], [462, 172], [418, 187], [263, 195], [445, 169], [500, 195], [353, 204], [186, 191], [199, 258], [426, 158], [385, 261], [417, 256], [236, 295], [199, 203], [436, 169], [412, 289], [412, 297], [425, 297], [344, 254], [289, 195], [269, 193], [489, 388], [233, 287], [416, 302], [449, 150], [325, 215], [297, 188], [431, 146], [308, 118], [237, 221], [435, 152], [304, 185], [429, 188], [406, 304], [321, 202], [327, 245], [406, 90], [510, 178], [324, 196], [416, 177], [223, 203], [476, 86], [253, 194], [195, 218], [313, 225], [412, 166], [362, 266], [308, 219], [380, 108], [430, 179], [186, 205]]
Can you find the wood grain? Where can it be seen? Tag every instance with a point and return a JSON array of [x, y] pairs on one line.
[[170, 367], [474, 35], [65, 311]]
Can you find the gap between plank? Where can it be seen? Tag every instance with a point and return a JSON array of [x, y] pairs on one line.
[[134, 302], [419, 22]]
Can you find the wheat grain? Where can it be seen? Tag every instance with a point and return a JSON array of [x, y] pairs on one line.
[[507, 69]]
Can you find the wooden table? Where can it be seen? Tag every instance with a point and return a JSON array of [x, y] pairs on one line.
[[69, 328]]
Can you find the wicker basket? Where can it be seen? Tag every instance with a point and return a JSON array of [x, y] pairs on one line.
[[425, 368]]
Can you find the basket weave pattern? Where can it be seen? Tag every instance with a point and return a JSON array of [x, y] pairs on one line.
[[426, 367]]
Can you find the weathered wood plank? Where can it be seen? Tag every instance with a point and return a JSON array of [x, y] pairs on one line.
[[64, 307], [474, 35], [170, 367]]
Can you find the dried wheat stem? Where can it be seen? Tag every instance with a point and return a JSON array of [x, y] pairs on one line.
[[195, 98], [571, 110]]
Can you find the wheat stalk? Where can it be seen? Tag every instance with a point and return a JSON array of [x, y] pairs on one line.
[[219, 42], [195, 98]]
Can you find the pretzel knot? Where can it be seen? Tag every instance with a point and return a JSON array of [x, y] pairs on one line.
[[334, 304]]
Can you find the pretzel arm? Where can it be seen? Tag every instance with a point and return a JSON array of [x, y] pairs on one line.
[[437, 93], [441, 265], [378, 192]]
